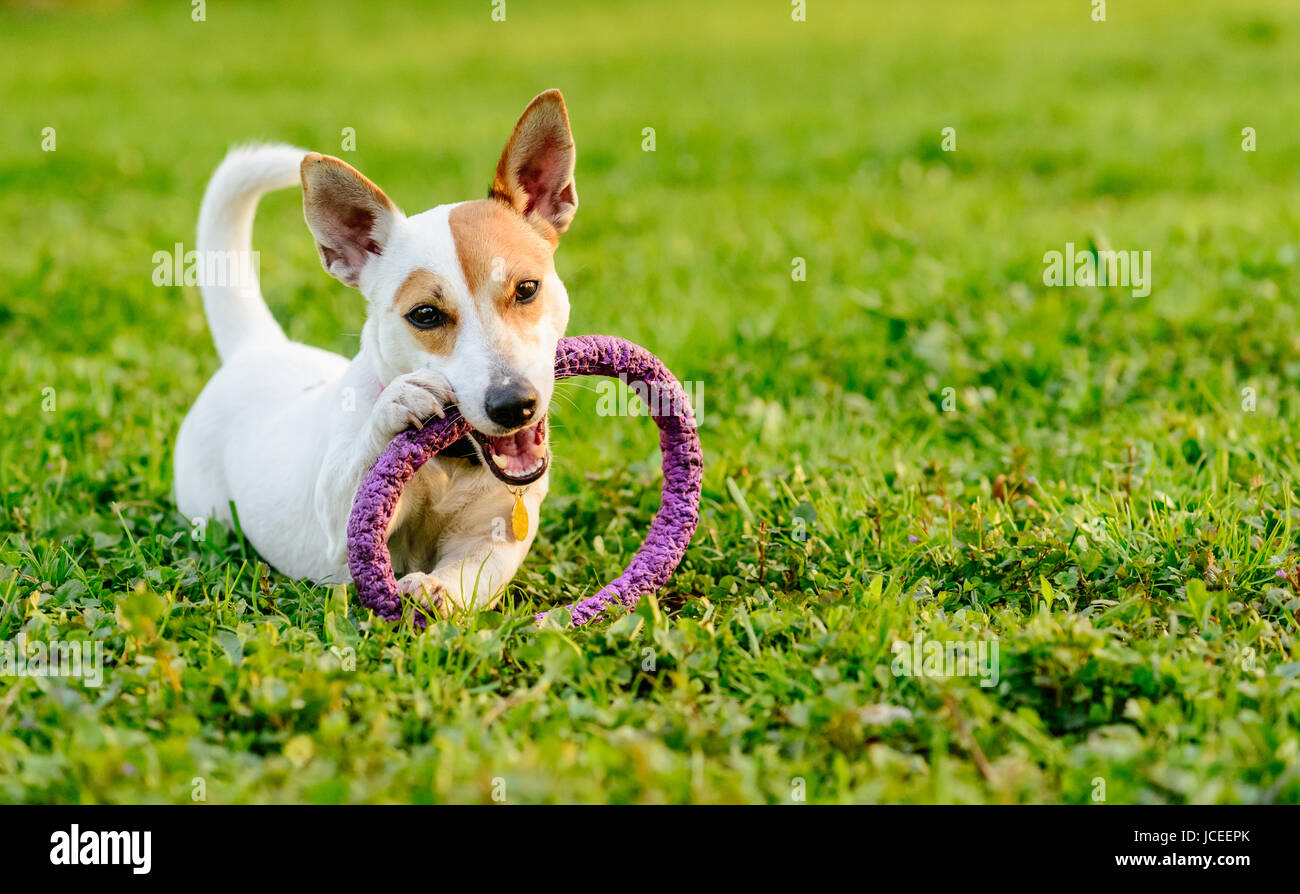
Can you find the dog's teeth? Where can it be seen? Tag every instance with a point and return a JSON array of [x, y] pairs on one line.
[[501, 461]]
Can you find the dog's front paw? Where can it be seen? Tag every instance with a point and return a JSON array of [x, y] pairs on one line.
[[408, 402], [427, 592]]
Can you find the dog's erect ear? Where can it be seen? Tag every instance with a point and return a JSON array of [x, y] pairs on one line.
[[350, 217], [535, 173]]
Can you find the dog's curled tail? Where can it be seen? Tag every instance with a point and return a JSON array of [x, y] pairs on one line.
[[229, 280]]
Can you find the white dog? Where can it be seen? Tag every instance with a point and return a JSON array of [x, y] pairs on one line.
[[463, 307]]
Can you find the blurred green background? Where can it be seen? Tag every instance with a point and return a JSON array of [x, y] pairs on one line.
[[1112, 494]]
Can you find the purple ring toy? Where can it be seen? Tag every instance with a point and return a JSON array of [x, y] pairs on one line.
[[583, 355]]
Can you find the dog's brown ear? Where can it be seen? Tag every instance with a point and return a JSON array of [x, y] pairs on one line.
[[350, 217], [535, 173]]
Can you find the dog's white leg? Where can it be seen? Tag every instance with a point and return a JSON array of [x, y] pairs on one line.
[[471, 580], [476, 560], [359, 434]]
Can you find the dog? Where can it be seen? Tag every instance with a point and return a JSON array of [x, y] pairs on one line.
[[464, 308]]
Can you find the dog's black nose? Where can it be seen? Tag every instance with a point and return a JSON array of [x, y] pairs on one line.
[[511, 406]]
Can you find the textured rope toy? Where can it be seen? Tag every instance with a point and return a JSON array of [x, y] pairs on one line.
[[670, 531]]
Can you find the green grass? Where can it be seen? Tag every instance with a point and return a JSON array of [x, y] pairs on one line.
[[1102, 499]]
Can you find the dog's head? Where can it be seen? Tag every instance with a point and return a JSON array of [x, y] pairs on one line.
[[468, 291]]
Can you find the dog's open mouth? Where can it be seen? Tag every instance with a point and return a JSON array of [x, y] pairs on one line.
[[517, 459]]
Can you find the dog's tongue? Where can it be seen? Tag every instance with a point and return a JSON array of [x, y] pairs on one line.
[[519, 453]]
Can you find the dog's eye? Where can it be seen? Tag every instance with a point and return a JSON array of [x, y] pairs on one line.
[[426, 316], [526, 291]]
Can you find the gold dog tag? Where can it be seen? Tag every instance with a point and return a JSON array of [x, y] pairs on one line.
[[519, 517]]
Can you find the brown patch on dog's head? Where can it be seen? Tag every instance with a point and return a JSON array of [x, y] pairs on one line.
[[498, 249], [426, 287]]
